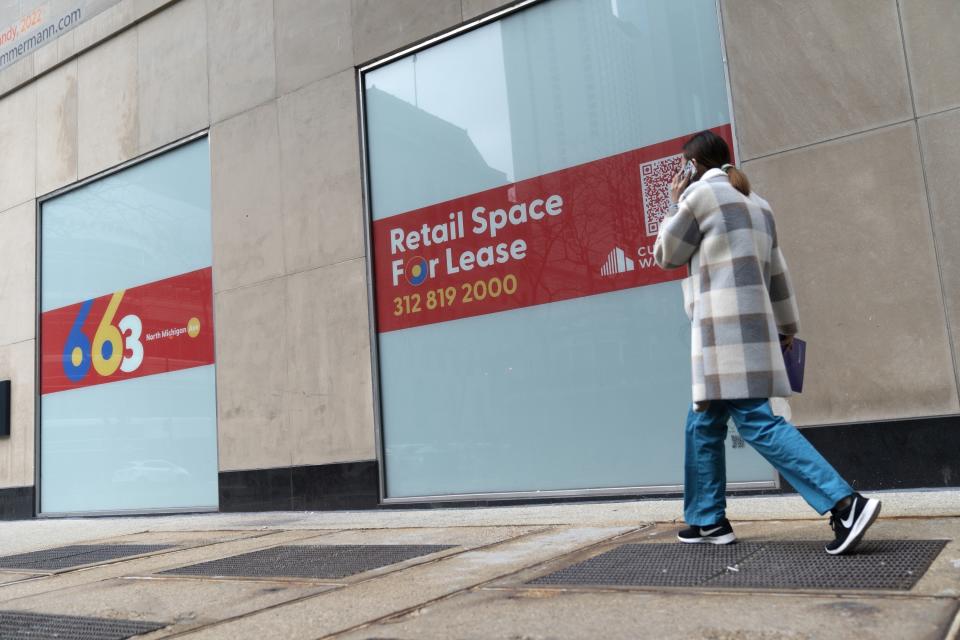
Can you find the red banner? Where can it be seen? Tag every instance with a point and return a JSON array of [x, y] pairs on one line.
[[576, 232], [153, 328]]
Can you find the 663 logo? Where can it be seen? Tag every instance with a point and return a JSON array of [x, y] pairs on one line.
[[113, 346]]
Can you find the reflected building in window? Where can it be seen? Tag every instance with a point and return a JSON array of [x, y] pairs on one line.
[[605, 94], [412, 150]]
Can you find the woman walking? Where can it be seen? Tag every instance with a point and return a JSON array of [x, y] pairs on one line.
[[740, 302]]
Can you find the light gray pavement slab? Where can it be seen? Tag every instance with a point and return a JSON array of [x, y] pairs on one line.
[[573, 615], [463, 537]]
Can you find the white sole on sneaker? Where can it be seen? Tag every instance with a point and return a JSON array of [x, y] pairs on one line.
[[867, 517], [726, 538]]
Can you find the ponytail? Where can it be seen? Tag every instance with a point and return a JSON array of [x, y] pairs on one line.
[[738, 179]]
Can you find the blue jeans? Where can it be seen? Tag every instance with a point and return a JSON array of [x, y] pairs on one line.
[[705, 473]]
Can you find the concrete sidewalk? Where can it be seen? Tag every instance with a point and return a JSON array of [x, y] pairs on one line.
[[474, 581]]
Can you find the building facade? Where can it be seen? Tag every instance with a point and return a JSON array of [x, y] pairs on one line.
[[322, 254]]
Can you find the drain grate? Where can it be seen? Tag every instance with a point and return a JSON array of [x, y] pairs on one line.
[[308, 561], [76, 555], [651, 565], [878, 564], [37, 626]]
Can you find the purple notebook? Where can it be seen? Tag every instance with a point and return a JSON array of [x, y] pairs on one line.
[[794, 358]]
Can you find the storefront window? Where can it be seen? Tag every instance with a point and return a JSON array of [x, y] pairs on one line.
[[517, 176], [127, 391]]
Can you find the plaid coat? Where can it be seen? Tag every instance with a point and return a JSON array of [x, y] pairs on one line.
[[738, 295]]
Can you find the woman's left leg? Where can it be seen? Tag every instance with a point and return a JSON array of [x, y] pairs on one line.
[[793, 456]]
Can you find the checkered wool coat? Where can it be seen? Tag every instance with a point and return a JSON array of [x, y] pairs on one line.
[[738, 295]]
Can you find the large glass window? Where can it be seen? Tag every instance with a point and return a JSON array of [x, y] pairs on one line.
[[517, 176], [127, 404]]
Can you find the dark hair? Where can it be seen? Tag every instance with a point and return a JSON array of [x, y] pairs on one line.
[[711, 152]]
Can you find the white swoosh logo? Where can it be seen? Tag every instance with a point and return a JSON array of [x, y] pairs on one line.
[[710, 533], [853, 511]]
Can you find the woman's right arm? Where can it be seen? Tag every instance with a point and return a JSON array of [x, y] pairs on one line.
[[679, 236]]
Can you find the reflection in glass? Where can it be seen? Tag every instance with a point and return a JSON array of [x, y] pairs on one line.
[[590, 392]]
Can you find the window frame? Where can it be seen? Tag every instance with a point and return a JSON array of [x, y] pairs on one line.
[[361, 72]]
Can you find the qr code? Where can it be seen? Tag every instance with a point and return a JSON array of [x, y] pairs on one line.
[[655, 177]]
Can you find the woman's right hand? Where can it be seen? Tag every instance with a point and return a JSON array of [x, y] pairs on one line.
[[677, 185]]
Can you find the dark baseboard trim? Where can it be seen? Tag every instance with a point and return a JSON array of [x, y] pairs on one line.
[[920, 453], [326, 487], [916, 453], [16, 503]]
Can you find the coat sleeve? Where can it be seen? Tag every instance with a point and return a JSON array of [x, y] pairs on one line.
[[679, 237], [782, 298]]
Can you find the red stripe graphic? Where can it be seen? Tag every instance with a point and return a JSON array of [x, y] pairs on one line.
[[576, 232], [154, 328]]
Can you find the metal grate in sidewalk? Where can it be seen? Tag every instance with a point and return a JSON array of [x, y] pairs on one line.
[[15, 625], [76, 555], [877, 565], [308, 561]]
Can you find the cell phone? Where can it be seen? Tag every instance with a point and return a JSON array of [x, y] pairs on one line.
[[688, 170]]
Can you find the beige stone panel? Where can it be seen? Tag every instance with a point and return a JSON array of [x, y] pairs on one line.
[[242, 60], [108, 129], [803, 72], [46, 57], [111, 21], [941, 156], [381, 27], [17, 74], [251, 372], [103, 25], [140, 9], [16, 452], [18, 140], [329, 399], [314, 40], [853, 222], [173, 74], [320, 161], [67, 45], [245, 196], [57, 128], [18, 254], [930, 29], [476, 8]]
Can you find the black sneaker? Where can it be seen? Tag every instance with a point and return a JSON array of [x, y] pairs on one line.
[[850, 524], [720, 533]]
